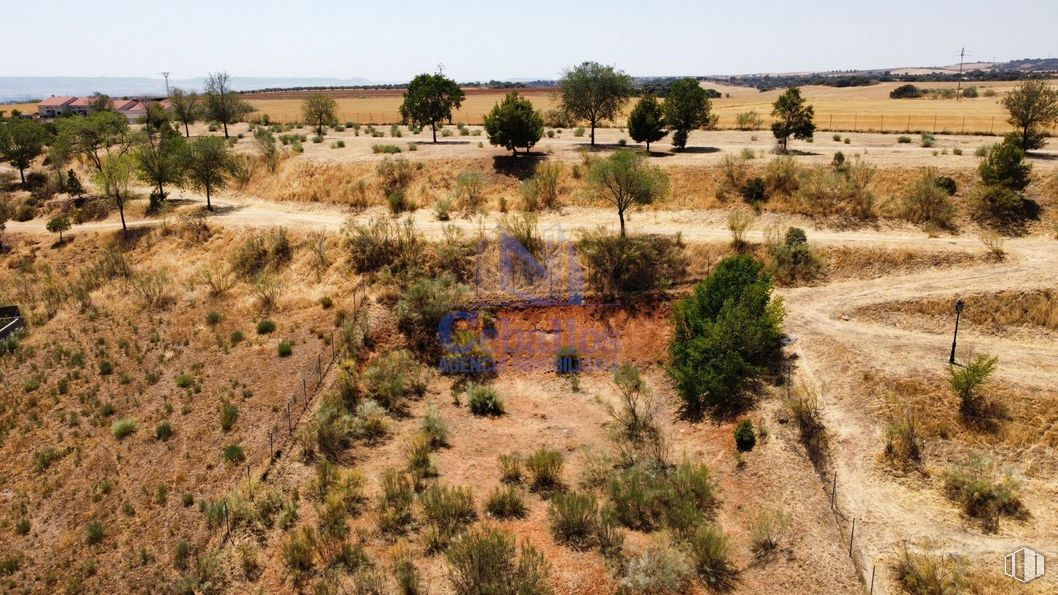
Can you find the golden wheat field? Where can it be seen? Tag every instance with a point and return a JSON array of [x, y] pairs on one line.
[[849, 108]]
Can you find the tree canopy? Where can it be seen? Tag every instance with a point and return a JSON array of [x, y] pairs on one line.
[[514, 123], [223, 104], [646, 123], [207, 164], [594, 92], [21, 141], [625, 180], [793, 118], [186, 108], [1033, 106], [429, 99], [319, 110], [96, 136], [687, 108], [724, 336]]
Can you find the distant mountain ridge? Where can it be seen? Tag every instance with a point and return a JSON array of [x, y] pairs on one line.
[[25, 88]]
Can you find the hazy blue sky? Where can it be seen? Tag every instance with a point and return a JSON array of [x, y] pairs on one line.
[[391, 40]]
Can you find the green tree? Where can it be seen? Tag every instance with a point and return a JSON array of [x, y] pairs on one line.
[[5, 214], [207, 165], [1033, 106], [114, 176], [100, 102], [1004, 165], [319, 110], [160, 160], [593, 92], [58, 225], [22, 141], [429, 99], [793, 118], [73, 184], [96, 136], [724, 335], [687, 108], [223, 104], [514, 123], [646, 123], [186, 108], [625, 180]]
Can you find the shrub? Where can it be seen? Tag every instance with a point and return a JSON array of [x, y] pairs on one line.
[[228, 414], [385, 149], [422, 306], [638, 498], [383, 243], [738, 222], [965, 382], [541, 191], [766, 531], [448, 510], [265, 327], [710, 556], [485, 560], [998, 205], [163, 431], [1004, 166], [572, 519], [233, 453], [510, 467], [903, 140], [393, 378], [545, 469], [745, 437], [905, 91], [902, 444], [506, 502], [982, 496], [443, 208], [484, 400], [285, 349], [924, 574], [298, 548], [792, 259], [618, 266], [662, 568], [420, 465], [394, 503], [434, 429], [804, 405], [927, 201], [94, 533], [123, 428], [749, 121], [469, 192], [844, 191], [927, 140], [782, 175], [754, 191], [724, 335]]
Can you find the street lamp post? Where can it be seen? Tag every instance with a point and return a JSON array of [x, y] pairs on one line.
[[958, 314]]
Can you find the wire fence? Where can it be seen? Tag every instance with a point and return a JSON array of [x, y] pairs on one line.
[[847, 525]]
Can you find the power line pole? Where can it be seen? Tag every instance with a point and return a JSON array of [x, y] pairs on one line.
[[166, 75], [958, 87]]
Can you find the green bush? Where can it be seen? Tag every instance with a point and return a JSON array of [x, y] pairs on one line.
[[754, 191], [710, 555], [1004, 165], [506, 502], [793, 260], [618, 266], [394, 503], [228, 414], [233, 453], [510, 467], [285, 349], [265, 327], [484, 400], [123, 428], [662, 568], [927, 200], [448, 511], [982, 496], [903, 140], [545, 469], [745, 437], [435, 429], [484, 560], [385, 149], [213, 318], [393, 378], [94, 533], [572, 519], [725, 334], [966, 380], [422, 306], [998, 205]]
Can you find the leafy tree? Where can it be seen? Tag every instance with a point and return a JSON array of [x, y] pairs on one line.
[[21, 141], [114, 176], [319, 110], [1004, 165], [159, 161], [100, 102], [793, 118], [73, 184], [686, 108], [646, 123], [96, 136], [207, 164], [223, 104], [5, 214], [266, 143], [724, 336], [58, 225], [625, 180], [156, 118], [186, 108], [593, 92], [1033, 106], [429, 99], [514, 123]]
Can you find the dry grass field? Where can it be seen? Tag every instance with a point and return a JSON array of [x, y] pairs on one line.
[[220, 402], [846, 109]]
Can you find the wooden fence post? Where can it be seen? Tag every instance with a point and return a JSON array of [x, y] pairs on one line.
[[873, 567], [834, 493], [852, 535]]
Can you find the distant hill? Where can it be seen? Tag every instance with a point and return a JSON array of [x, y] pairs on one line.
[[25, 88]]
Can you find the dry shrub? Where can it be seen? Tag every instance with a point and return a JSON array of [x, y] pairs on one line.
[[983, 496], [926, 202], [738, 223], [385, 243], [734, 171], [485, 560], [662, 568], [619, 266], [766, 531], [853, 262], [903, 445], [782, 176], [844, 193], [994, 243], [153, 289], [541, 191], [925, 574], [804, 405]]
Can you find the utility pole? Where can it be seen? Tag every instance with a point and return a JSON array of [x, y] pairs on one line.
[[166, 75], [958, 87]]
